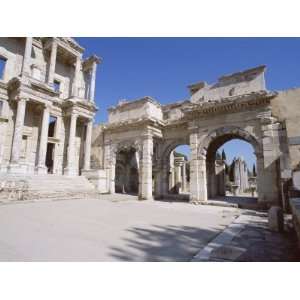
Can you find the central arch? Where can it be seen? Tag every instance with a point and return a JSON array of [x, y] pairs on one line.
[[206, 154], [222, 135]]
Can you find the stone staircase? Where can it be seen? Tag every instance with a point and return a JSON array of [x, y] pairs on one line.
[[51, 187]]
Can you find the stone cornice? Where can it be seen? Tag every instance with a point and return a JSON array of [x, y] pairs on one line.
[[133, 123], [44, 88], [230, 104], [88, 63], [81, 103], [130, 104]]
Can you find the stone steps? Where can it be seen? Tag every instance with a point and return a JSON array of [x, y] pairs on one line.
[[51, 187]]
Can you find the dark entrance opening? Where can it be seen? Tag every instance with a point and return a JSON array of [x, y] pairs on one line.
[[50, 158]]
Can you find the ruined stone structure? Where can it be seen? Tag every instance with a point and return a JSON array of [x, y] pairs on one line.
[[178, 174], [241, 174], [236, 106], [47, 106]]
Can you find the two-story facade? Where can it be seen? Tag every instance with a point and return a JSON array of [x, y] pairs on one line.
[[47, 106]]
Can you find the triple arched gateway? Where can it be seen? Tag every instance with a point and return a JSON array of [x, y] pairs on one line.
[[146, 132]]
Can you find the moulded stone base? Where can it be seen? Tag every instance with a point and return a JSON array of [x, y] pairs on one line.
[[70, 172], [41, 170], [17, 169]]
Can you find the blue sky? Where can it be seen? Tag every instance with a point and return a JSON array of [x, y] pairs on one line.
[[163, 67]]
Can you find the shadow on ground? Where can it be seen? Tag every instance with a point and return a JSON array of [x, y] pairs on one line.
[[163, 243]]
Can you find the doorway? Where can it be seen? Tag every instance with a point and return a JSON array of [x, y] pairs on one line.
[[50, 158]]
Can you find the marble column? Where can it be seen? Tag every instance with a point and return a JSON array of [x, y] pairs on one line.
[[75, 85], [145, 175], [52, 64], [198, 178], [27, 57], [87, 146], [70, 169], [41, 167], [93, 82], [18, 131], [184, 176]]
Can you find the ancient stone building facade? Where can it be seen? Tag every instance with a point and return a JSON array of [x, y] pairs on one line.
[[236, 106], [241, 175], [47, 106]]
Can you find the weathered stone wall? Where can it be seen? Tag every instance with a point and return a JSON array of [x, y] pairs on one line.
[[144, 108], [286, 107], [230, 85], [12, 49], [97, 151]]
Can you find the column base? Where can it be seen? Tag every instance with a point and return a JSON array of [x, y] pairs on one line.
[[70, 172], [15, 168], [41, 170], [148, 198]]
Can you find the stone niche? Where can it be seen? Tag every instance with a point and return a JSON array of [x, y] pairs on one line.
[[143, 108]]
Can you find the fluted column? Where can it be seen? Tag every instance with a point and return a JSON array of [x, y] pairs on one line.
[[70, 169], [18, 131], [52, 63], [75, 84], [93, 82], [41, 167], [87, 146], [145, 172], [27, 56]]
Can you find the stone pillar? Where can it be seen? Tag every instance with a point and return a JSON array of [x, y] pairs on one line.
[[212, 180], [145, 174], [75, 85], [178, 176], [27, 56], [184, 177], [52, 64], [198, 182], [70, 169], [93, 82], [18, 132], [268, 171], [87, 146], [110, 166], [41, 167]]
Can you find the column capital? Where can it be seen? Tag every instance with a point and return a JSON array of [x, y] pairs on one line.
[[21, 99]]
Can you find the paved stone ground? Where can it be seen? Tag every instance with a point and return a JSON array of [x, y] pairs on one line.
[[248, 239], [116, 229], [120, 228]]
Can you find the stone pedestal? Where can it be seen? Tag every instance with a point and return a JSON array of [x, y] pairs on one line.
[[276, 221]]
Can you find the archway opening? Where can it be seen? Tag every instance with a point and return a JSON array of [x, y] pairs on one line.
[[126, 179], [231, 170], [179, 173]]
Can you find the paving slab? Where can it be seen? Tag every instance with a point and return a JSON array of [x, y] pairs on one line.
[[112, 228]]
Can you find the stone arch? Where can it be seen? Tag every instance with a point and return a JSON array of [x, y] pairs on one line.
[[125, 172], [163, 166], [221, 135], [169, 147], [206, 151]]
